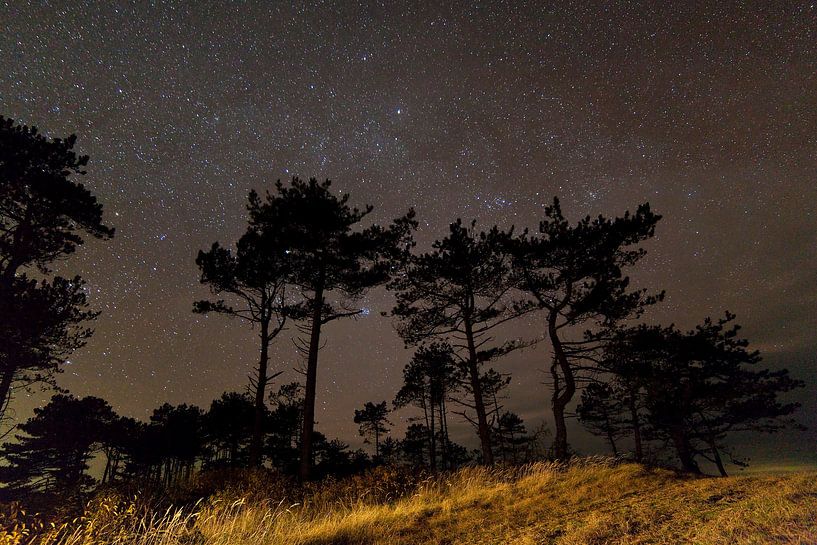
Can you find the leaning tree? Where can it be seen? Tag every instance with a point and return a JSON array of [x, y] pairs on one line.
[[574, 274], [333, 263], [44, 214]]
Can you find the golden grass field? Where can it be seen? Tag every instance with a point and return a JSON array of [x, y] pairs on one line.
[[589, 502]]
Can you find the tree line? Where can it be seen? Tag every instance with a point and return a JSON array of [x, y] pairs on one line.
[[308, 256]]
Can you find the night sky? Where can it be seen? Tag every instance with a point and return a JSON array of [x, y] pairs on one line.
[[488, 111]]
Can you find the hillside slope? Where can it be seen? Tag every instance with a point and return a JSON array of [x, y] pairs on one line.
[[588, 503]]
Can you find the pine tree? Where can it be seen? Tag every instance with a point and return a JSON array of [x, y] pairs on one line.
[[255, 278], [512, 437], [575, 276], [228, 428], [176, 434], [285, 426], [52, 453], [373, 421], [429, 381], [703, 385], [43, 216], [459, 293], [329, 260], [602, 411]]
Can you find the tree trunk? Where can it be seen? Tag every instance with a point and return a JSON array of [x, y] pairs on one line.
[[18, 239], [5, 389], [444, 435], [108, 456], [483, 430], [639, 449], [717, 457], [561, 396], [611, 438], [305, 467], [260, 389], [376, 440], [684, 451], [433, 434]]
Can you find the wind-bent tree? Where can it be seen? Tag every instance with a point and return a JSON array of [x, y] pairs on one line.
[[52, 453], [703, 386], [331, 264], [429, 380], [459, 293], [373, 421], [43, 215], [626, 362], [255, 278], [574, 275]]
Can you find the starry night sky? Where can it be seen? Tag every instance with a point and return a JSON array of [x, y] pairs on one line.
[[484, 111]]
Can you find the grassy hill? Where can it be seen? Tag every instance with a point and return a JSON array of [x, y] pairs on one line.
[[591, 502]]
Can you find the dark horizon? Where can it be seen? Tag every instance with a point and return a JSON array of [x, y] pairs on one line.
[[709, 114]]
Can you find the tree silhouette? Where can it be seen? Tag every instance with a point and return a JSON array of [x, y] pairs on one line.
[[574, 275], [512, 437], [228, 427], [459, 292], [328, 259], [286, 422], [602, 411], [51, 454], [702, 387], [118, 445], [41, 324], [414, 445], [177, 435], [373, 420], [255, 277], [429, 380], [43, 214], [389, 450]]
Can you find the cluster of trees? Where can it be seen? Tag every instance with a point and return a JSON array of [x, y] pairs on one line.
[[308, 256], [687, 390], [54, 449]]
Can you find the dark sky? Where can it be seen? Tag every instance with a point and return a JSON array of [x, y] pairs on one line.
[[709, 112]]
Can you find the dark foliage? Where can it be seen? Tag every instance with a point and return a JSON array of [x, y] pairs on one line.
[[459, 293], [373, 420], [429, 381], [44, 214], [255, 278], [574, 274], [51, 454], [328, 259]]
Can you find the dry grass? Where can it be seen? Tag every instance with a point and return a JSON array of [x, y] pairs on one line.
[[593, 502]]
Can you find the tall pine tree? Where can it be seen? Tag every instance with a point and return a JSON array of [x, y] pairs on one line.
[[333, 263], [459, 293]]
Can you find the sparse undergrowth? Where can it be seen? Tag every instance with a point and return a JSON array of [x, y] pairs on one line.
[[589, 502]]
